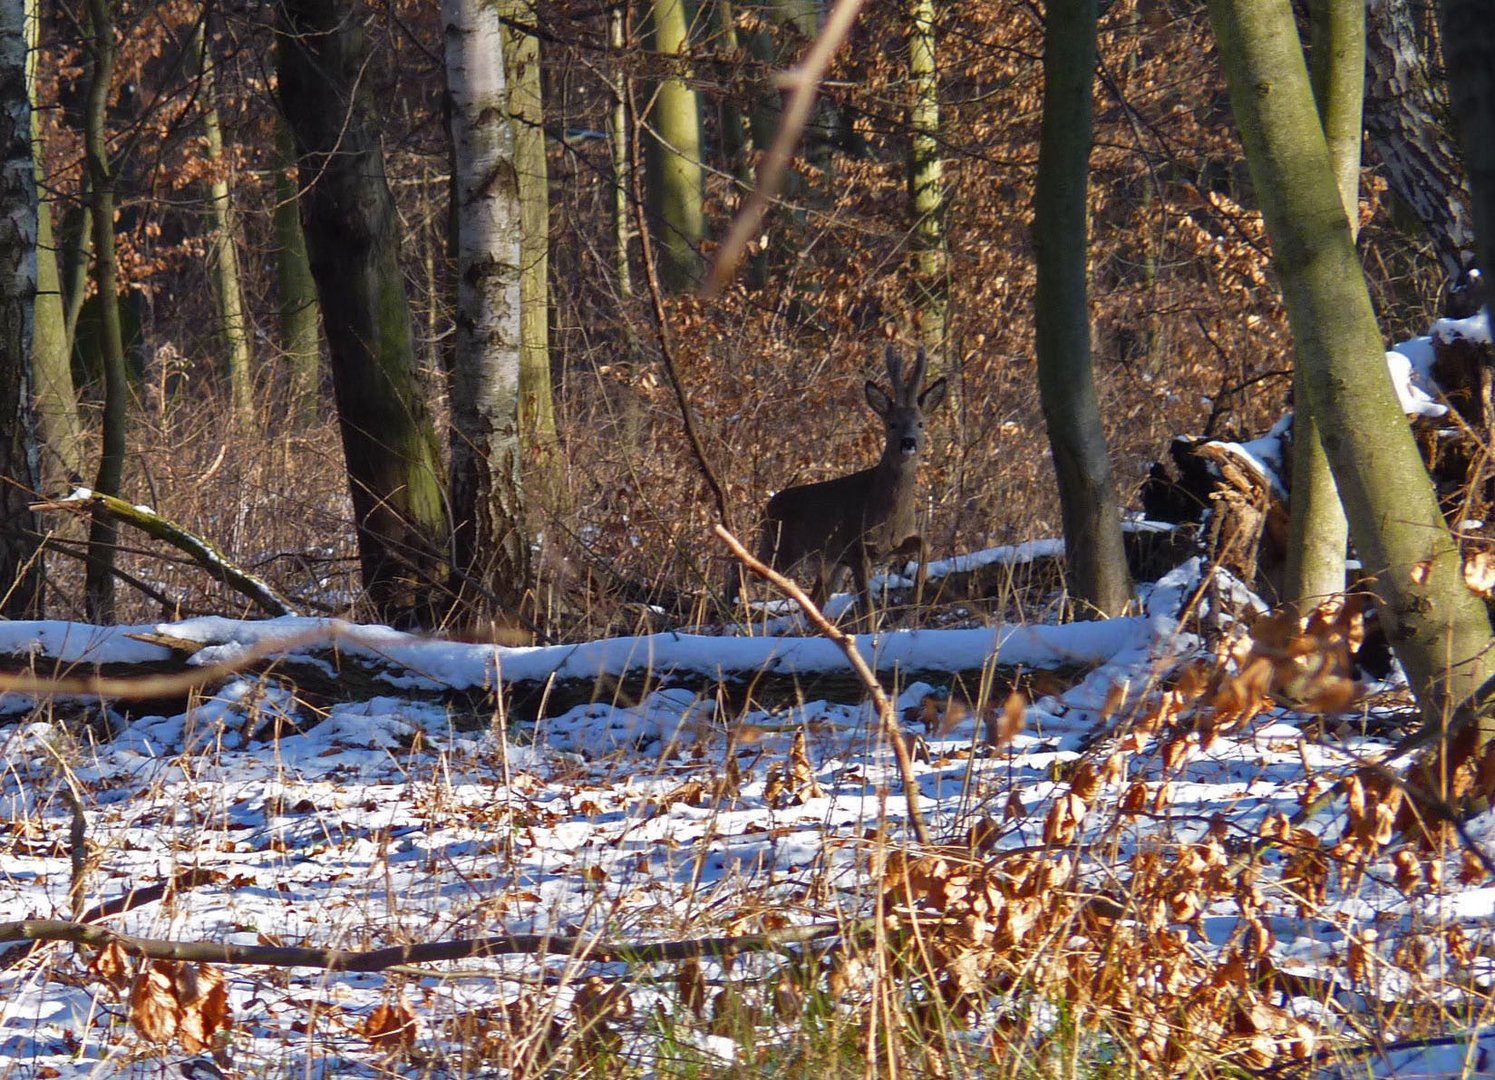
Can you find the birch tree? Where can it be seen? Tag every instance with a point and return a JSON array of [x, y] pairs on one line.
[[491, 551], [926, 182], [20, 583]]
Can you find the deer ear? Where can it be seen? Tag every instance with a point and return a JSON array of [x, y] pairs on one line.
[[877, 399], [933, 394]]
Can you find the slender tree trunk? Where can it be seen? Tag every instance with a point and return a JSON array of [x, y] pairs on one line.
[[1098, 576], [492, 550], [98, 583], [926, 184], [1318, 532], [618, 141], [526, 110], [389, 442], [51, 355], [223, 250], [673, 171], [1469, 51], [1405, 108], [300, 339], [74, 252], [1438, 628], [20, 579]]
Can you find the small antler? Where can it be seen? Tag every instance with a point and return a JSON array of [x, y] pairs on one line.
[[921, 361], [895, 370]]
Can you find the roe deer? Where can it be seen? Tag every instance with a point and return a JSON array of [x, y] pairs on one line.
[[856, 521]]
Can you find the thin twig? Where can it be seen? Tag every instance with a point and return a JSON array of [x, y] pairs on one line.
[[884, 705]]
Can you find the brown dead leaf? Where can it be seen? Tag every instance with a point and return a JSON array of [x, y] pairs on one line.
[[391, 1027], [112, 965], [186, 1002]]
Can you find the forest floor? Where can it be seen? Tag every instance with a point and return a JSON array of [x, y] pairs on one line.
[[1122, 878]]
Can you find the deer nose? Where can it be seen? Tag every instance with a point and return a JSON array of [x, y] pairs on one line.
[[910, 446]]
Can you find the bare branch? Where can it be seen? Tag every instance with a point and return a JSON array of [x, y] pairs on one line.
[[847, 645], [586, 948]]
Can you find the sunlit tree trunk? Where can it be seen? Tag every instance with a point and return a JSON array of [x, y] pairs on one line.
[[1438, 628], [51, 355], [526, 110], [926, 183], [20, 581], [223, 250], [300, 340], [98, 583], [347, 213], [1099, 582], [492, 550], [673, 174], [1318, 532]]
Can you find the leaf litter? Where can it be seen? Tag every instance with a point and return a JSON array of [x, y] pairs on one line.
[[1132, 848]]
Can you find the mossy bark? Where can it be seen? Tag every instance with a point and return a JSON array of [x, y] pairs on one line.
[[674, 178], [1318, 532], [98, 583], [389, 442]]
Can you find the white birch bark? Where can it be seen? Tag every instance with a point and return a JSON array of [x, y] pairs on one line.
[[487, 504], [18, 465]]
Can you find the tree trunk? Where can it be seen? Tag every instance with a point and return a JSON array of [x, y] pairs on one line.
[[1438, 628], [1404, 111], [300, 340], [20, 579], [1098, 579], [51, 355], [1469, 50], [1318, 532], [98, 583], [223, 251], [491, 549], [526, 113], [675, 181], [393, 460], [618, 143], [926, 185]]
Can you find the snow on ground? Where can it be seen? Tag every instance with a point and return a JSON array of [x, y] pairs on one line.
[[387, 821]]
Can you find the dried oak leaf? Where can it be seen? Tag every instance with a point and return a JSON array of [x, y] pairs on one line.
[[391, 1027]]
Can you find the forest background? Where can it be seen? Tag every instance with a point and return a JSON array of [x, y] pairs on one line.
[[232, 435]]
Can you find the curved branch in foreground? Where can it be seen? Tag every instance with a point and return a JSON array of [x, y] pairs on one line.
[[576, 946], [880, 700], [202, 552]]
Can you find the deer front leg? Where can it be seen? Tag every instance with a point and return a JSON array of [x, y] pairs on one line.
[[914, 548], [861, 571]]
